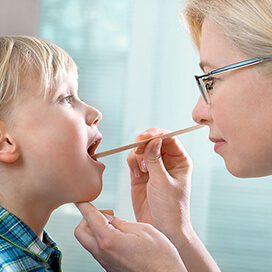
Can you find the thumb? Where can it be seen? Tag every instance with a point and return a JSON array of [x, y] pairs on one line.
[[132, 228], [153, 160]]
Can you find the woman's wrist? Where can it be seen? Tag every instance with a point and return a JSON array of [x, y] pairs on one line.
[[192, 251], [179, 229], [173, 267], [182, 238]]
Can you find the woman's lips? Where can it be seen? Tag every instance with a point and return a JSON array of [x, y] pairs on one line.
[[218, 143]]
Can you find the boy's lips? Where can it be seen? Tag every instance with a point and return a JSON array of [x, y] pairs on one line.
[[94, 144]]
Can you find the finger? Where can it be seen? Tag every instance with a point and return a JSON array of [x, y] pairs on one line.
[[88, 229], [137, 176], [84, 227], [136, 164], [89, 211], [153, 159], [89, 234], [85, 237], [109, 212], [175, 156], [97, 222], [133, 165], [146, 135], [173, 146], [132, 228], [151, 133]]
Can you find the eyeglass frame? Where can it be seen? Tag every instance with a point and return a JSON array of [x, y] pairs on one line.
[[241, 64]]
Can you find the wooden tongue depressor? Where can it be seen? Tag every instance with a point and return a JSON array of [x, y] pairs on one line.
[[130, 146]]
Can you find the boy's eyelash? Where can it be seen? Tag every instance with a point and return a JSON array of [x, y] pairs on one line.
[[67, 99]]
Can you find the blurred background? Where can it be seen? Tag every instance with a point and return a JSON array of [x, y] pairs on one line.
[[136, 65]]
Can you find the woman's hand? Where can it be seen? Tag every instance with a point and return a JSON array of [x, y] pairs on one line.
[[119, 245], [160, 183]]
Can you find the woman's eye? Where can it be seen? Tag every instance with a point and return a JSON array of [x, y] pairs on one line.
[[209, 82]]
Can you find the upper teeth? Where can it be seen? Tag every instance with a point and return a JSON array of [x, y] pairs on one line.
[[94, 143]]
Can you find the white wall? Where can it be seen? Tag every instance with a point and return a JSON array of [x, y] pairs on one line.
[[19, 17]]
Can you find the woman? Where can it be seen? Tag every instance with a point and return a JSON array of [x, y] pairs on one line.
[[234, 40]]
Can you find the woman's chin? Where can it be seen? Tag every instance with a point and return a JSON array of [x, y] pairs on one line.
[[241, 171], [237, 170]]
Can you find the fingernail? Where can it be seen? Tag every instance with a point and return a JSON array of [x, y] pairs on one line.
[[137, 173], [143, 166], [157, 147], [108, 217], [139, 150]]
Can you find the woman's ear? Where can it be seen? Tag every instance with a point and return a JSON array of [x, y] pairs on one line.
[[9, 149]]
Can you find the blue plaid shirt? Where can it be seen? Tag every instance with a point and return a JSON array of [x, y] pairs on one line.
[[21, 250]]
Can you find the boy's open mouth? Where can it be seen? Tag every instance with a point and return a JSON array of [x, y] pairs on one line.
[[94, 145]]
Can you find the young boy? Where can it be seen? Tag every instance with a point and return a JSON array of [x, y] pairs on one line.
[[47, 137]]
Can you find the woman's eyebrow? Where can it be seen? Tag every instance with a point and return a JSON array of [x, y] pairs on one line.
[[203, 64]]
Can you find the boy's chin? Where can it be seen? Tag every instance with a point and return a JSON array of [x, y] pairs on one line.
[[92, 196]]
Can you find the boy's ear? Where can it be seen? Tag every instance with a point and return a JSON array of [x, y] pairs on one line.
[[9, 149]]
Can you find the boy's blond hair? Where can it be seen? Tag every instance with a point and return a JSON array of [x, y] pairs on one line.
[[22, 57], [246, 23]]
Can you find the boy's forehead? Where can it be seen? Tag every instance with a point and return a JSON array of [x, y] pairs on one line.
[[67, 82], [34, 84]]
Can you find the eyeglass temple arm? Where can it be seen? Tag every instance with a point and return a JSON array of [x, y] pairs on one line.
[[238, 65]]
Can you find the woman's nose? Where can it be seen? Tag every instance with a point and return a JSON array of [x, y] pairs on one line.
[[93, 116], [201, 112]]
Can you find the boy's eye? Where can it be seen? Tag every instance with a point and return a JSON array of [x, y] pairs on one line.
[[67, 99]]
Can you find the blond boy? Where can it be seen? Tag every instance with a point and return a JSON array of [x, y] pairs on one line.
[[47, 137]]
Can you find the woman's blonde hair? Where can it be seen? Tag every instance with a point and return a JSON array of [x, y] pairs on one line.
[[246, 23], [22, 57]]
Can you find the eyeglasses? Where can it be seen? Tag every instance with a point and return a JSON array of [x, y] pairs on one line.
[[205, 82]]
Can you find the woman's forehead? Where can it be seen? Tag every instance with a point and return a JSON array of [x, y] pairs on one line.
[[216, 50]]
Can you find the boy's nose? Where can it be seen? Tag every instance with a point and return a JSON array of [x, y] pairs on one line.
[[93, 116], [201, 112]]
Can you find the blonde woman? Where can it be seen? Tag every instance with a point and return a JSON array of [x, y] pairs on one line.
[[234, 41]]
